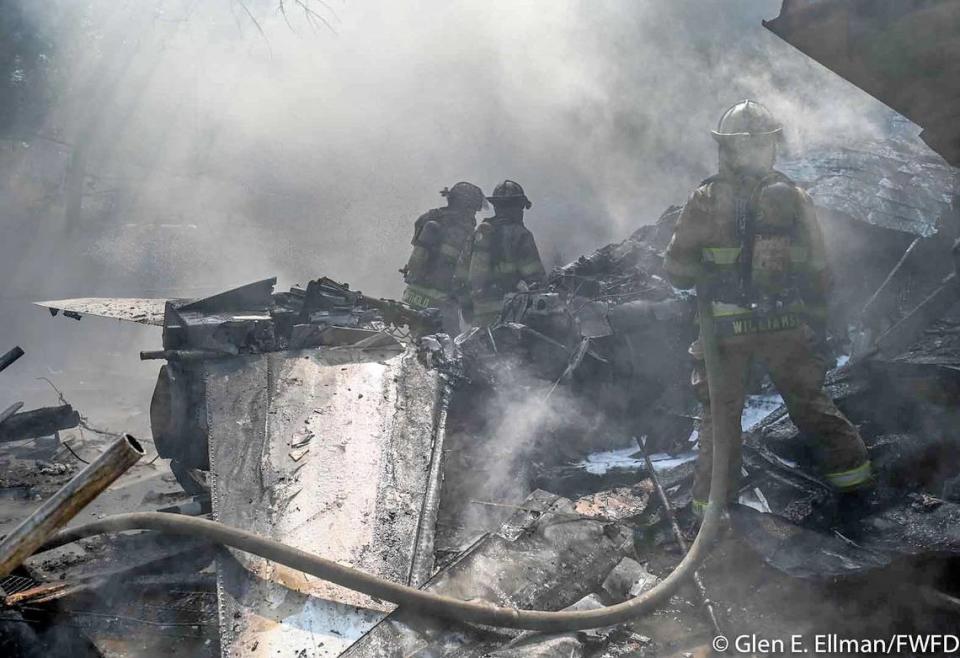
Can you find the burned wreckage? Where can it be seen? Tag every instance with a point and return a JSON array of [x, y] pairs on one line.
[[541, 463]]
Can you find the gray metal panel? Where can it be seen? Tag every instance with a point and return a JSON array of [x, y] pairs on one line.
[[132, 309], [328, 450]]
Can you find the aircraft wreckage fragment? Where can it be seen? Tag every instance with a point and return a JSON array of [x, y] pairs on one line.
[[318, 428], [331, 451]]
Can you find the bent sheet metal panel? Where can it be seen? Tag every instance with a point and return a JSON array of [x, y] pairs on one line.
[[131, 309], [329, 451]]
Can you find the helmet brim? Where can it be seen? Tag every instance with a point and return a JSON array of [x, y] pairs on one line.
[[518, 199], [719, 136]]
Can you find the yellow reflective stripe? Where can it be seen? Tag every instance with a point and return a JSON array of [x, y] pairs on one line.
[[725, 310], [479, 265], [426, 290], [852, 478], [699, 508], [721, 255], [533, 267], [729, 255]]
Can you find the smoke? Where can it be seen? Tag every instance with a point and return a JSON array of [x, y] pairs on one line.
[[506, 436], [187, 146]]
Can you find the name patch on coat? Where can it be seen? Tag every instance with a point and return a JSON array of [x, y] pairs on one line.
[[748, 325]]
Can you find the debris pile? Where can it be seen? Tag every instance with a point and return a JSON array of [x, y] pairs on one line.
[[545, 462], [890, 216]]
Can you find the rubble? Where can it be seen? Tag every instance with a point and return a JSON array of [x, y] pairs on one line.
[[800, 552], [627, 580], [67, 502], [618, 504], [534, 561], [9, 411], [130, 563], [53, 468], [555, 646]]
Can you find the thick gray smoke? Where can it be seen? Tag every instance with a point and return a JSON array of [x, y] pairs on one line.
[[187, 146]]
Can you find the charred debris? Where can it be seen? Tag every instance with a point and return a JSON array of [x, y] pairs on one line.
[[545, 462]]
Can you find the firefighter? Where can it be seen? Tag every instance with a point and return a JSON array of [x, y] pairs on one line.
[[750, 237], [439, 236], [502, 256]]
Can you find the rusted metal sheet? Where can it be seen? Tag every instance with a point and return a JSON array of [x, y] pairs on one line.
[[131, 309], [333, 451]]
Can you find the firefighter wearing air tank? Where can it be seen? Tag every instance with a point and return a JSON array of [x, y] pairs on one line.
[[750, 237], [502, 257], [439, 236]]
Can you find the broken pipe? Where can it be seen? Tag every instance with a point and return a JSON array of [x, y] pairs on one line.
[[67, 502]]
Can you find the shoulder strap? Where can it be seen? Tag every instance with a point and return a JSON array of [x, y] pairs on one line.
[[426, 217]]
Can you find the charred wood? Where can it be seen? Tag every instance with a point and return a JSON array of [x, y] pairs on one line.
[[38, 422]]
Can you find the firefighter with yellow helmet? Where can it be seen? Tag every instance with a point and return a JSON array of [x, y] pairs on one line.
[[749, 237], [439, 237], [502, 256]]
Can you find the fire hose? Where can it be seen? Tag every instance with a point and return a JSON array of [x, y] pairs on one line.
[[437, 605]]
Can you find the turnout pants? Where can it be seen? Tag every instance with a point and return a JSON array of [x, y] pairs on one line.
[[797, 370]]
